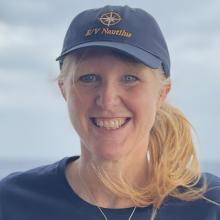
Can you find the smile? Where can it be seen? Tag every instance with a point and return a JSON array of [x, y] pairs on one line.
[[109, 123]]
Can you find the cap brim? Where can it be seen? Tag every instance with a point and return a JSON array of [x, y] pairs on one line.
[[143, 56]]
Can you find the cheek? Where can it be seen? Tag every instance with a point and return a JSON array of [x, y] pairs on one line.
[[144, 96], [145, 107], [77, 105], [73, 113]]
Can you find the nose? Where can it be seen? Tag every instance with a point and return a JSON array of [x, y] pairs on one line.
[[108, 96]]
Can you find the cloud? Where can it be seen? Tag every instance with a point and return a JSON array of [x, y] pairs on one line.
[[33, 91], [23, 48], [25, 13]]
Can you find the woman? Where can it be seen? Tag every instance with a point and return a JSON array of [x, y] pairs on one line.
[[137, 155]]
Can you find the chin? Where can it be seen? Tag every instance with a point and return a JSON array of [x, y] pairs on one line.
[[109, 154], [105, 151]]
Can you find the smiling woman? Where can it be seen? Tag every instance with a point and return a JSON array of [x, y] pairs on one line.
[[106, 90], [138, 159]]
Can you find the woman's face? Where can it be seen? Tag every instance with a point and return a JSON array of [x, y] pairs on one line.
[[112, 106]]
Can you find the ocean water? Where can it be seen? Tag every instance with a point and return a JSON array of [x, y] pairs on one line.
[[8, 166]]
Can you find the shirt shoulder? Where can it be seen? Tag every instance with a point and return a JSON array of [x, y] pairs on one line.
[[17, 185], [32, 191], [40, 179], [36, 177], [205, 208], [213, 187], [19, 178]]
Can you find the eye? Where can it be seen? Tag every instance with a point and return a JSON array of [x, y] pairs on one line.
[[130, 78], [87, 78]]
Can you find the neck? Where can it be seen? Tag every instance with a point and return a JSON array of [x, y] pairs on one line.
[[82, 177]]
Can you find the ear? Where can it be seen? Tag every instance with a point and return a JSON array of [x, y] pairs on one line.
[[163, 94], [62, 88]]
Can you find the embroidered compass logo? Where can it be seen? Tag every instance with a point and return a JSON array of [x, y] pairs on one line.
[[110, 18]]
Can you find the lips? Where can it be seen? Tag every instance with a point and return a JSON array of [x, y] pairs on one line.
[[109, 123]]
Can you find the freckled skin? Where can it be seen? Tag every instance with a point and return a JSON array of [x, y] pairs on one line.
[[110, 92]]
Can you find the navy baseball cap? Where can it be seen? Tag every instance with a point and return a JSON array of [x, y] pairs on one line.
[[130, 30]]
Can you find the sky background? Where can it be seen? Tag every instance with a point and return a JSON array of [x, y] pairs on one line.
[[34, 123]]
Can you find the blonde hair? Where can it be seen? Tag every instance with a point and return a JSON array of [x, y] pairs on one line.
[[172, 162]]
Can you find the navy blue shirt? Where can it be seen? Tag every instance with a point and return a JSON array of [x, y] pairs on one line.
[[43, 193]]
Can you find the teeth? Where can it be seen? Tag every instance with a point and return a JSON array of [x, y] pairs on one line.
[[110, 124]]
